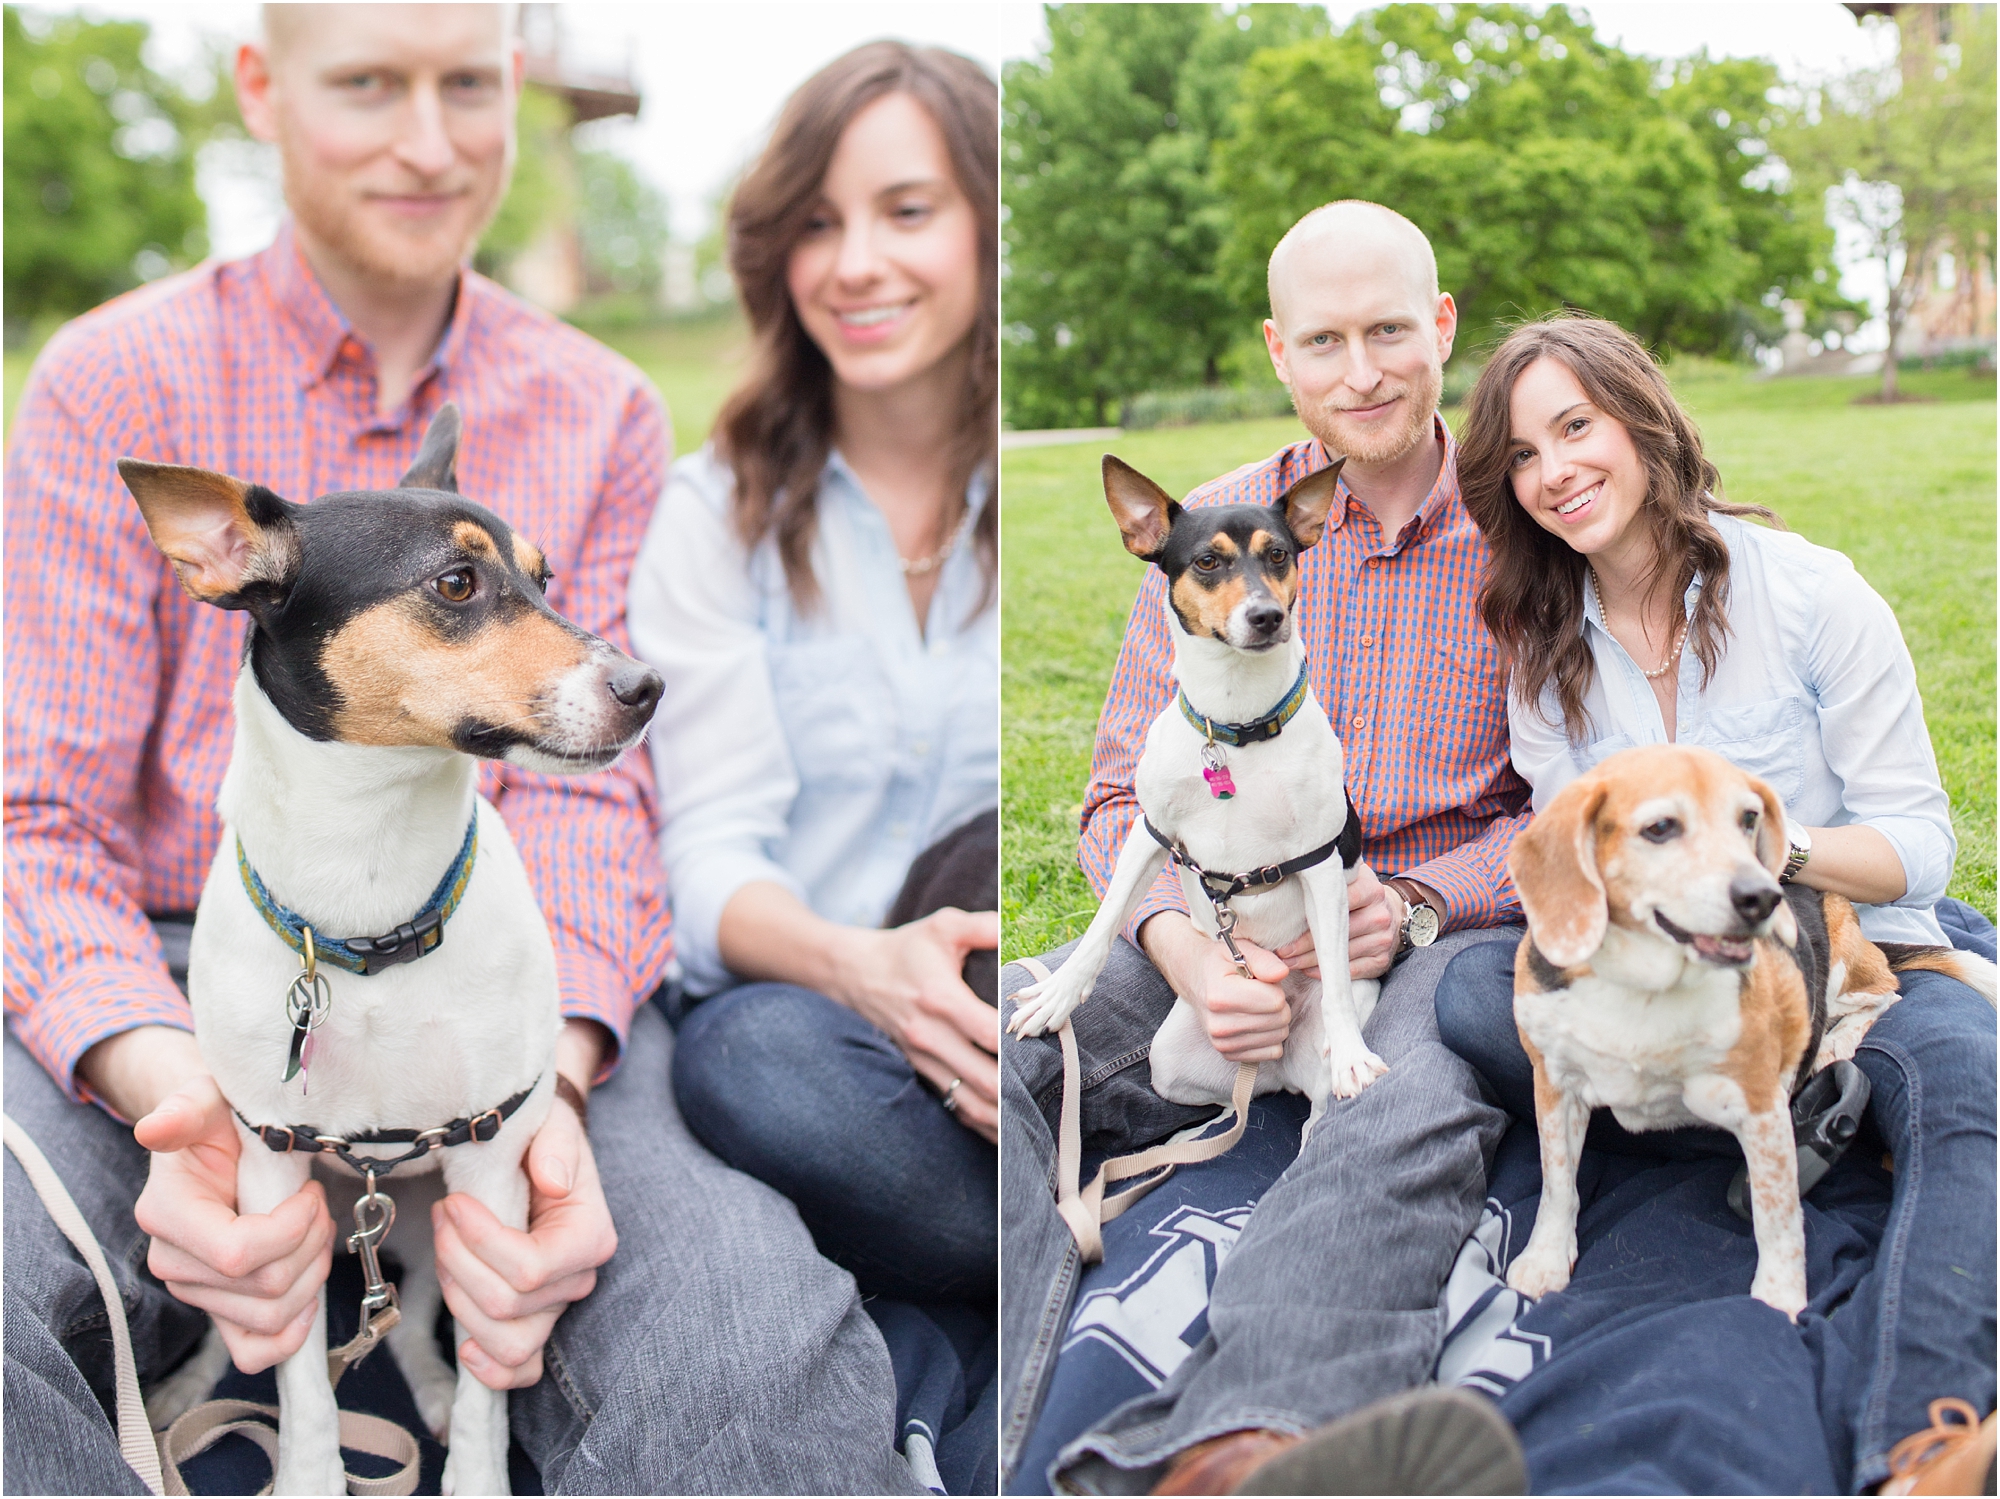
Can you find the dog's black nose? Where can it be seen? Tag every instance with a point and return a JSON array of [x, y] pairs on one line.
[[1264, 618], [1754, 899], [637, 687]]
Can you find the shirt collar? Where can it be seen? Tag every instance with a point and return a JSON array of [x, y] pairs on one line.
[[1593, 606], [323, 333], [1444, 492]]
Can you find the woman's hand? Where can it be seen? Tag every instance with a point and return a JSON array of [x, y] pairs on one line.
[[908, 982]]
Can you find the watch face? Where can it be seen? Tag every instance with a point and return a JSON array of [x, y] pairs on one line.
[[1423, 926]]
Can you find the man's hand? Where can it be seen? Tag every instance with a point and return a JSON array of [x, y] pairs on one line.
[[1247, 1019], [1374, 917], [909, 982], [508, 1287], [257, 1274]]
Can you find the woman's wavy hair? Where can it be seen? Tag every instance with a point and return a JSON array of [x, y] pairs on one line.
[[776, 430], [1532, 599]]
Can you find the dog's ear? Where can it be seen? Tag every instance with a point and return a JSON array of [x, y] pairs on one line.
[[437, 462], [1554, 867], [1774, 849], [1144, 511], [232, 544], [1307, 503]]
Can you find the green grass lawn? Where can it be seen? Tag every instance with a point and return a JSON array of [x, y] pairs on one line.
[[1906, 491], [693, 363]]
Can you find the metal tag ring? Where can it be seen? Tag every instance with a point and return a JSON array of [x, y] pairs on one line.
[[308, 1000]]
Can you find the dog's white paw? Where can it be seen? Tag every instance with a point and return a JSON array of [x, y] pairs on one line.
[[1783, 1288], [1538, 1271], [1349, 1074], [467, 1473], [1044, 1006], [314, 1473]]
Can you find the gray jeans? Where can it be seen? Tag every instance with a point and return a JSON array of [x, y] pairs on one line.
[[1329, 1299], [719, 1353]]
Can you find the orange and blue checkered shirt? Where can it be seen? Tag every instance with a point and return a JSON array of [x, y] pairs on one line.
[[1405, 669], [118, 721]]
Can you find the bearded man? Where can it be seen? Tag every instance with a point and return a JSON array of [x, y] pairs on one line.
[[1329, 1298], [716, 1351]]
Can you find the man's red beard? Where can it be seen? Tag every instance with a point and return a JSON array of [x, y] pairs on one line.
[[1371, 444], [365, 244]]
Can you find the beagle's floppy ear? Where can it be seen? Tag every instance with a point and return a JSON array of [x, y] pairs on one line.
[[1144, 511], [1554, 867], [1773, 850], [437, 461], [1307, 503], [232, 544]]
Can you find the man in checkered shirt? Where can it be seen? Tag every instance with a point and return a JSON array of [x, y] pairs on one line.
[[1329, 1299], [717, 1351]]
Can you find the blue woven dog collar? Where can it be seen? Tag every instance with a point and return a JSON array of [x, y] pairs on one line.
[[422, 933], [1258, 729]]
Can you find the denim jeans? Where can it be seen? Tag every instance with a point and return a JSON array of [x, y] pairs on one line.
[[1925, 1309], [1329, 1299], [805, 1095], [719, 1352]]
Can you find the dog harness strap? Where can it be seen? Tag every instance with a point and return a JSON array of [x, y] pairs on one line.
[[422, 933], [1258, 729], [1221, 887], [477, 1128]]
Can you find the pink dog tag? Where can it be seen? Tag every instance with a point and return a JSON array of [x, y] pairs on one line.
[[1221, 785]]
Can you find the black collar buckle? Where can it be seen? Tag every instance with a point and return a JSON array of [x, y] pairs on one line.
[[405, 944]]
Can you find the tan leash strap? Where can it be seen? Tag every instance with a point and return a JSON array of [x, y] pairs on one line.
[[205, 1425], [1086, 1210], [135, 1438], [358, 1347]]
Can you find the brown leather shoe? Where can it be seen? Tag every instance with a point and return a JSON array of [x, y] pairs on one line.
[[1219, 1464], [1952, 1456]]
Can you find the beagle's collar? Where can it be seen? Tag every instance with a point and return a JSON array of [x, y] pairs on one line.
[[1258, 729], [421, 934]]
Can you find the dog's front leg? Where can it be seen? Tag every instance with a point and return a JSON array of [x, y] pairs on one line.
[[1350, 1065], [1047, 1005], [495, 1174], [1770, 1149], [1560, 1120], [308, 1417]]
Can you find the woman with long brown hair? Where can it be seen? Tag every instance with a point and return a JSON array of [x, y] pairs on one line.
[[818, 592], [1637, 606]]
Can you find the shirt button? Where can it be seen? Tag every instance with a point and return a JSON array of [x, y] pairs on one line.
[[1367, 639], [1374, 561], [1358, 721], [921, 748], [898, 829]]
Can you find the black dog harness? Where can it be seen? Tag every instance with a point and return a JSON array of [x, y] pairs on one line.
[[1221, 887], [474, 1128]]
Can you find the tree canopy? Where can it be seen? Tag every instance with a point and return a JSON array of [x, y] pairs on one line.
[[99, 167], [1157, 154]]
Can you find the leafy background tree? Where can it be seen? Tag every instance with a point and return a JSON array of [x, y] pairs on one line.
[[1905, 155], [99, 167], [1549, 168]]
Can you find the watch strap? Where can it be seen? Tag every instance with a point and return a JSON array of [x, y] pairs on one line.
[[1413, 896]]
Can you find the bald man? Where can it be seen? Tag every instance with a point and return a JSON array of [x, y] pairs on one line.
[[1329, 1298], [714, 1350]]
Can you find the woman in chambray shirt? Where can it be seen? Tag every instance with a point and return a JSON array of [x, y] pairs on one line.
[[817, 590], [1637, 607]]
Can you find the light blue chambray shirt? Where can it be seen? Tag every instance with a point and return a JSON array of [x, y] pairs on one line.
[[1815, 693], [822, 751]]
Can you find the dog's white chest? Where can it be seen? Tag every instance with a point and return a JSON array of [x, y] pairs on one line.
[[1630, 1051]]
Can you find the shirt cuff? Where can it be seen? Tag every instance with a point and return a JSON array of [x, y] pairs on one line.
[[1164, 894], [1927, 855], [593, 988], [1467, 892], [93, 1003], [700, 888]]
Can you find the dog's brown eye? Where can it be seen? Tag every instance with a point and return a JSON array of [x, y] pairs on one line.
[[456, 586], [1749, 820], [1663, 831], [1205, 563], [1278, 556]]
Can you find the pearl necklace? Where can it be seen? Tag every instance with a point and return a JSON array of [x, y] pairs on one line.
[[1680, 638]]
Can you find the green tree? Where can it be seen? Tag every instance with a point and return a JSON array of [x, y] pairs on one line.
[[543, 187], [1905, 156], [99, 167], [1548, 168], [622, 223], [1113, 221]]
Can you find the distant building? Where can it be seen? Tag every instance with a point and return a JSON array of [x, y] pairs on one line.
[[1955, 308], [549, 272]]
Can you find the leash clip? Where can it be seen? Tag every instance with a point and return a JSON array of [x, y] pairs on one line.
[[380, 1308]]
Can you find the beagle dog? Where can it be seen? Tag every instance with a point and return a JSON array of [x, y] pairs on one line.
[[1669, 977]]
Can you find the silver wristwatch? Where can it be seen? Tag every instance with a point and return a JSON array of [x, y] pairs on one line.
[[1801, 850], [1421, 922]]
